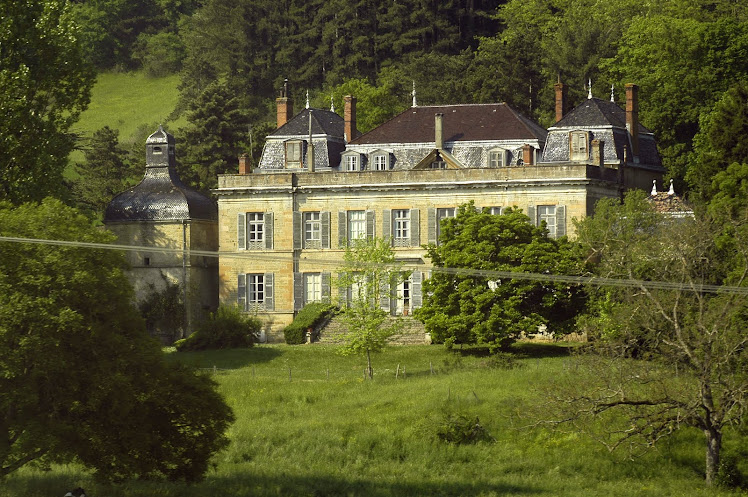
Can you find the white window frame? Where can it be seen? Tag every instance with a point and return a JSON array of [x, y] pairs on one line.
[[312, 229], [293, 147], [352, 162], [443, 213], [312, 287], [356, 225], [496, 211], [401, 227], [404, 296], [255, 291], [547, 213], [381, 162], [579, 147], [255, 230], [497, 157]]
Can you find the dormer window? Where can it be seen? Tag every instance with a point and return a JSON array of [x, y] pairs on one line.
[[578, 146], [352, 163], [438, 164], [497, 157], [293, 154], [381, 162]]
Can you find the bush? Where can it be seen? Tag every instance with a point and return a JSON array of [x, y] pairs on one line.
[[309, 317], [226, 328], [459, 429]]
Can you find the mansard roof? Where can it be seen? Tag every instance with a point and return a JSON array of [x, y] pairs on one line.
[[467, 122], [324, 122], [596, 113]]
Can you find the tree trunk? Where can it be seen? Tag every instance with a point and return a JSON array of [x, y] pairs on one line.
[[368, 364], [713, 447]]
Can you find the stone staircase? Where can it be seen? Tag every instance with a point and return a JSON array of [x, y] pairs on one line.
[[412, 332]]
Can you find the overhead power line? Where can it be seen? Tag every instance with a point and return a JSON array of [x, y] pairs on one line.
[[480, 273]]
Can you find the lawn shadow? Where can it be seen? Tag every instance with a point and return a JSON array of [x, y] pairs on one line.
[[226, 358]]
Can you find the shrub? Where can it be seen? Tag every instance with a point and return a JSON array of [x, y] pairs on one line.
[[459, 429], [728, 474], [309, 317], [163, 311], [226, 328]]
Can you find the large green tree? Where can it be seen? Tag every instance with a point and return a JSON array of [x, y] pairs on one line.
[[464, 303], [671, 348], [79, 376], [44, 85]]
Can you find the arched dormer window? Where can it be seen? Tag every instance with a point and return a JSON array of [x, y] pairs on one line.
[[351, 161], [579, 149], [379, 160], [293, 154], [497, 157]]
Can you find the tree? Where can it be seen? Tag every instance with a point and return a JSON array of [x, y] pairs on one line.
[[44, 86], [469, 307], [79, 376], [673, 351], [368, 275], [105, 173]]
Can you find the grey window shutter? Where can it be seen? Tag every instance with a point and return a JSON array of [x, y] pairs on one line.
[[241, 231], [297, 230], [325, 227], [415, 232], [241, 291], [298, 291], [370, 232], [387, 224], [432, 225], [417, 278], [342, 228], [560, 220], [531, 215], [385, 298], [269, 230], [326, 297], [342, 292], [269, 300]]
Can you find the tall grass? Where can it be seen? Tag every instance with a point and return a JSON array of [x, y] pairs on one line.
[[309, 424]]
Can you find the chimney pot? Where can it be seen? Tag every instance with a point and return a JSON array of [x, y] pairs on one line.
[[284, 105]]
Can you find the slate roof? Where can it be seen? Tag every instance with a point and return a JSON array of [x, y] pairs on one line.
[[161, 195], [323, 122], [467, 122], [596, 112]]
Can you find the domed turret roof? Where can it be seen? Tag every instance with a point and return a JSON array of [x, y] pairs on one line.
[[161, 195]]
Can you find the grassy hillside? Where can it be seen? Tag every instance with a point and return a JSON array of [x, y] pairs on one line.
[[126, 102], [308, 424]]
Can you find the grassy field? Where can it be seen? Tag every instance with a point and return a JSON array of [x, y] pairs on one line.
[[308, 424], [126, 102]]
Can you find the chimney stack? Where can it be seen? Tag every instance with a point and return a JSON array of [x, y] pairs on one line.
[[528, 155], [244, 166], [560, 100], [284, 104], [632, 118], [439, 131], [349, 116]]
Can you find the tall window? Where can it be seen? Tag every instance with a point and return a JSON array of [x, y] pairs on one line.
[[495, 210], [255, 290], [442, 213], [293, 154], [255, 229], [547, 213], [380, 162], [312, 230], [578, 146], [351, 163], [403, 297], [402, 227], [312, 287], [356, 225]]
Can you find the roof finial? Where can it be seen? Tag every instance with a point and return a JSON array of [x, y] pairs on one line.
[[332, 105], [589, 89], [414, 94], [654, 188], [671, 191], [307, 99], [612, 93]]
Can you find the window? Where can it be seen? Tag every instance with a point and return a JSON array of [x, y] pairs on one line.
[[547, 213], [255, 291], [356, 225], [497, 158], [578, 146], [402, 227], [495, 210], [435, 217], [293, 154], [380, 162], [442, 213], [438, 164], [312, 287], [255, 230], [553, 215], [146, 261], [351, 163], [312, 230], [403, 297]]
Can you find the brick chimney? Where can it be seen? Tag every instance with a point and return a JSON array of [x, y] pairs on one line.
[[560, 100], [349, 116], [284, 104], [244, 166], [439, 131], [632, 118], [528, 155], [598, 152]]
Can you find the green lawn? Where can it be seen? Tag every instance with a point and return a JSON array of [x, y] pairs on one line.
[[127, 101], [309, 424]]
